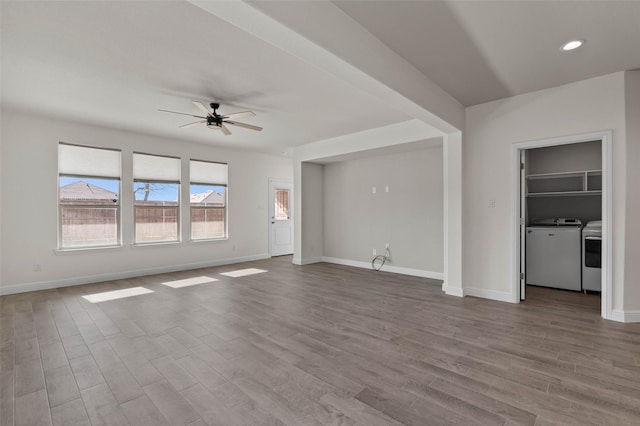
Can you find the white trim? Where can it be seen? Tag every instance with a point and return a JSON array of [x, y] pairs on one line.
[[606, 307], [296, 261], [607, 208], [453, 291], [500, 296], [515, 223], [309, 261], [625, 316], [86, 250], [67, 282], [386, 268]]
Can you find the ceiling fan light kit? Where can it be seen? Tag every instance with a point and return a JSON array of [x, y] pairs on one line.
[[213, 120]]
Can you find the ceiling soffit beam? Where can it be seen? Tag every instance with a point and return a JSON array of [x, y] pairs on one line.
[[380, 137], [315, 32]]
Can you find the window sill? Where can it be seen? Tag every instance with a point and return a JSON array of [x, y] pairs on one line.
[[85, 250], [155, 244], [208, 240]]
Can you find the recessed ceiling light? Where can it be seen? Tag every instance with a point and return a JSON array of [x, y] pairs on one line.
[[571, 45]]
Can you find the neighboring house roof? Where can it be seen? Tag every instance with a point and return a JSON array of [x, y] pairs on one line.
[[209, 197], [83, 191]]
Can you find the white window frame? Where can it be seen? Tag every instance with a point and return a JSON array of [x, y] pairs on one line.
[[177, 207], [221, 182], [118, 206]]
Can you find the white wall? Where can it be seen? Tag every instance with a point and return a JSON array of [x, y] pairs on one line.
[[312, 212], [29, 218], [409, 216], [632, 228], [491, 129]]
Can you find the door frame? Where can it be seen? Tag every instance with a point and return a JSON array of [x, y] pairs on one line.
[[273, 184], [607, 207]]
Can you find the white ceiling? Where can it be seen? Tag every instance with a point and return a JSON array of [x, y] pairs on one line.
[[480, 51], [117, 63]]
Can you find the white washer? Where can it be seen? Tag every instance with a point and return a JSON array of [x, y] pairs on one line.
[[553, 253], [592, 256]]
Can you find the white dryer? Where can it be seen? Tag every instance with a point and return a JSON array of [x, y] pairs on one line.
[[592, 256]]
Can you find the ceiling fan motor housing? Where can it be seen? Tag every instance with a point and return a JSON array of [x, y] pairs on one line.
[[214, 121]]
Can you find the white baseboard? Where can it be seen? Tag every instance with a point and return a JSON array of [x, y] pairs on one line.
[[501, 296], [67, 282], [453, 291], [386, 268], [625, 316], [307, 261]]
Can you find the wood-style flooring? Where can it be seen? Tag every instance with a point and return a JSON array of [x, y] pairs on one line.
[[320, 344]]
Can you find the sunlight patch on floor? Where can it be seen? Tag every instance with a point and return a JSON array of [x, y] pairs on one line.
[[189, 282], [116, 294], [243, 272]]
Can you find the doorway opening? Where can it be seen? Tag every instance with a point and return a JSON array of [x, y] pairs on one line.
[[558, 193]]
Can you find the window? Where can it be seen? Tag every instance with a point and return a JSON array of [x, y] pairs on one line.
[[208, 200], [88, 197], [281, 208], [156, 189]]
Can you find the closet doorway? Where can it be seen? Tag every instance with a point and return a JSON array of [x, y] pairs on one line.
[[558, 191]]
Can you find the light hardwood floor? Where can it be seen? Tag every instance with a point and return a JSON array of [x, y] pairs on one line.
[[315, 345]]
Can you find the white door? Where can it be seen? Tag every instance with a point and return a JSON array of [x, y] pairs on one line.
[[280, 217]]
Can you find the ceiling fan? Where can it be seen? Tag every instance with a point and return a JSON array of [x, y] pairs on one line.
[[213, 120]]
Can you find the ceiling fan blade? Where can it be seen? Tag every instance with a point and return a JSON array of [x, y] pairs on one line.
[[182, 113], [235, 115], [246, 126], [201, 107], [225, 129], [184, 126]]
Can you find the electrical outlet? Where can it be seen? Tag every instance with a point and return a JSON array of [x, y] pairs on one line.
[[386, 188], [386, 245], [375, 252], [36, 267], [492, 202], [373, 189]]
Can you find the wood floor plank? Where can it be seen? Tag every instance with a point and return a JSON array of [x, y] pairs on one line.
[[320, 344], [102, 407], [141, 411], [53, 356], [7, 396], [171, 404], [75, 346], [211, 410], [29, 377], [174, 373], [142, 370], [61, 386], [199, 369], [32, 409], [86, 372], [71, 413]]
